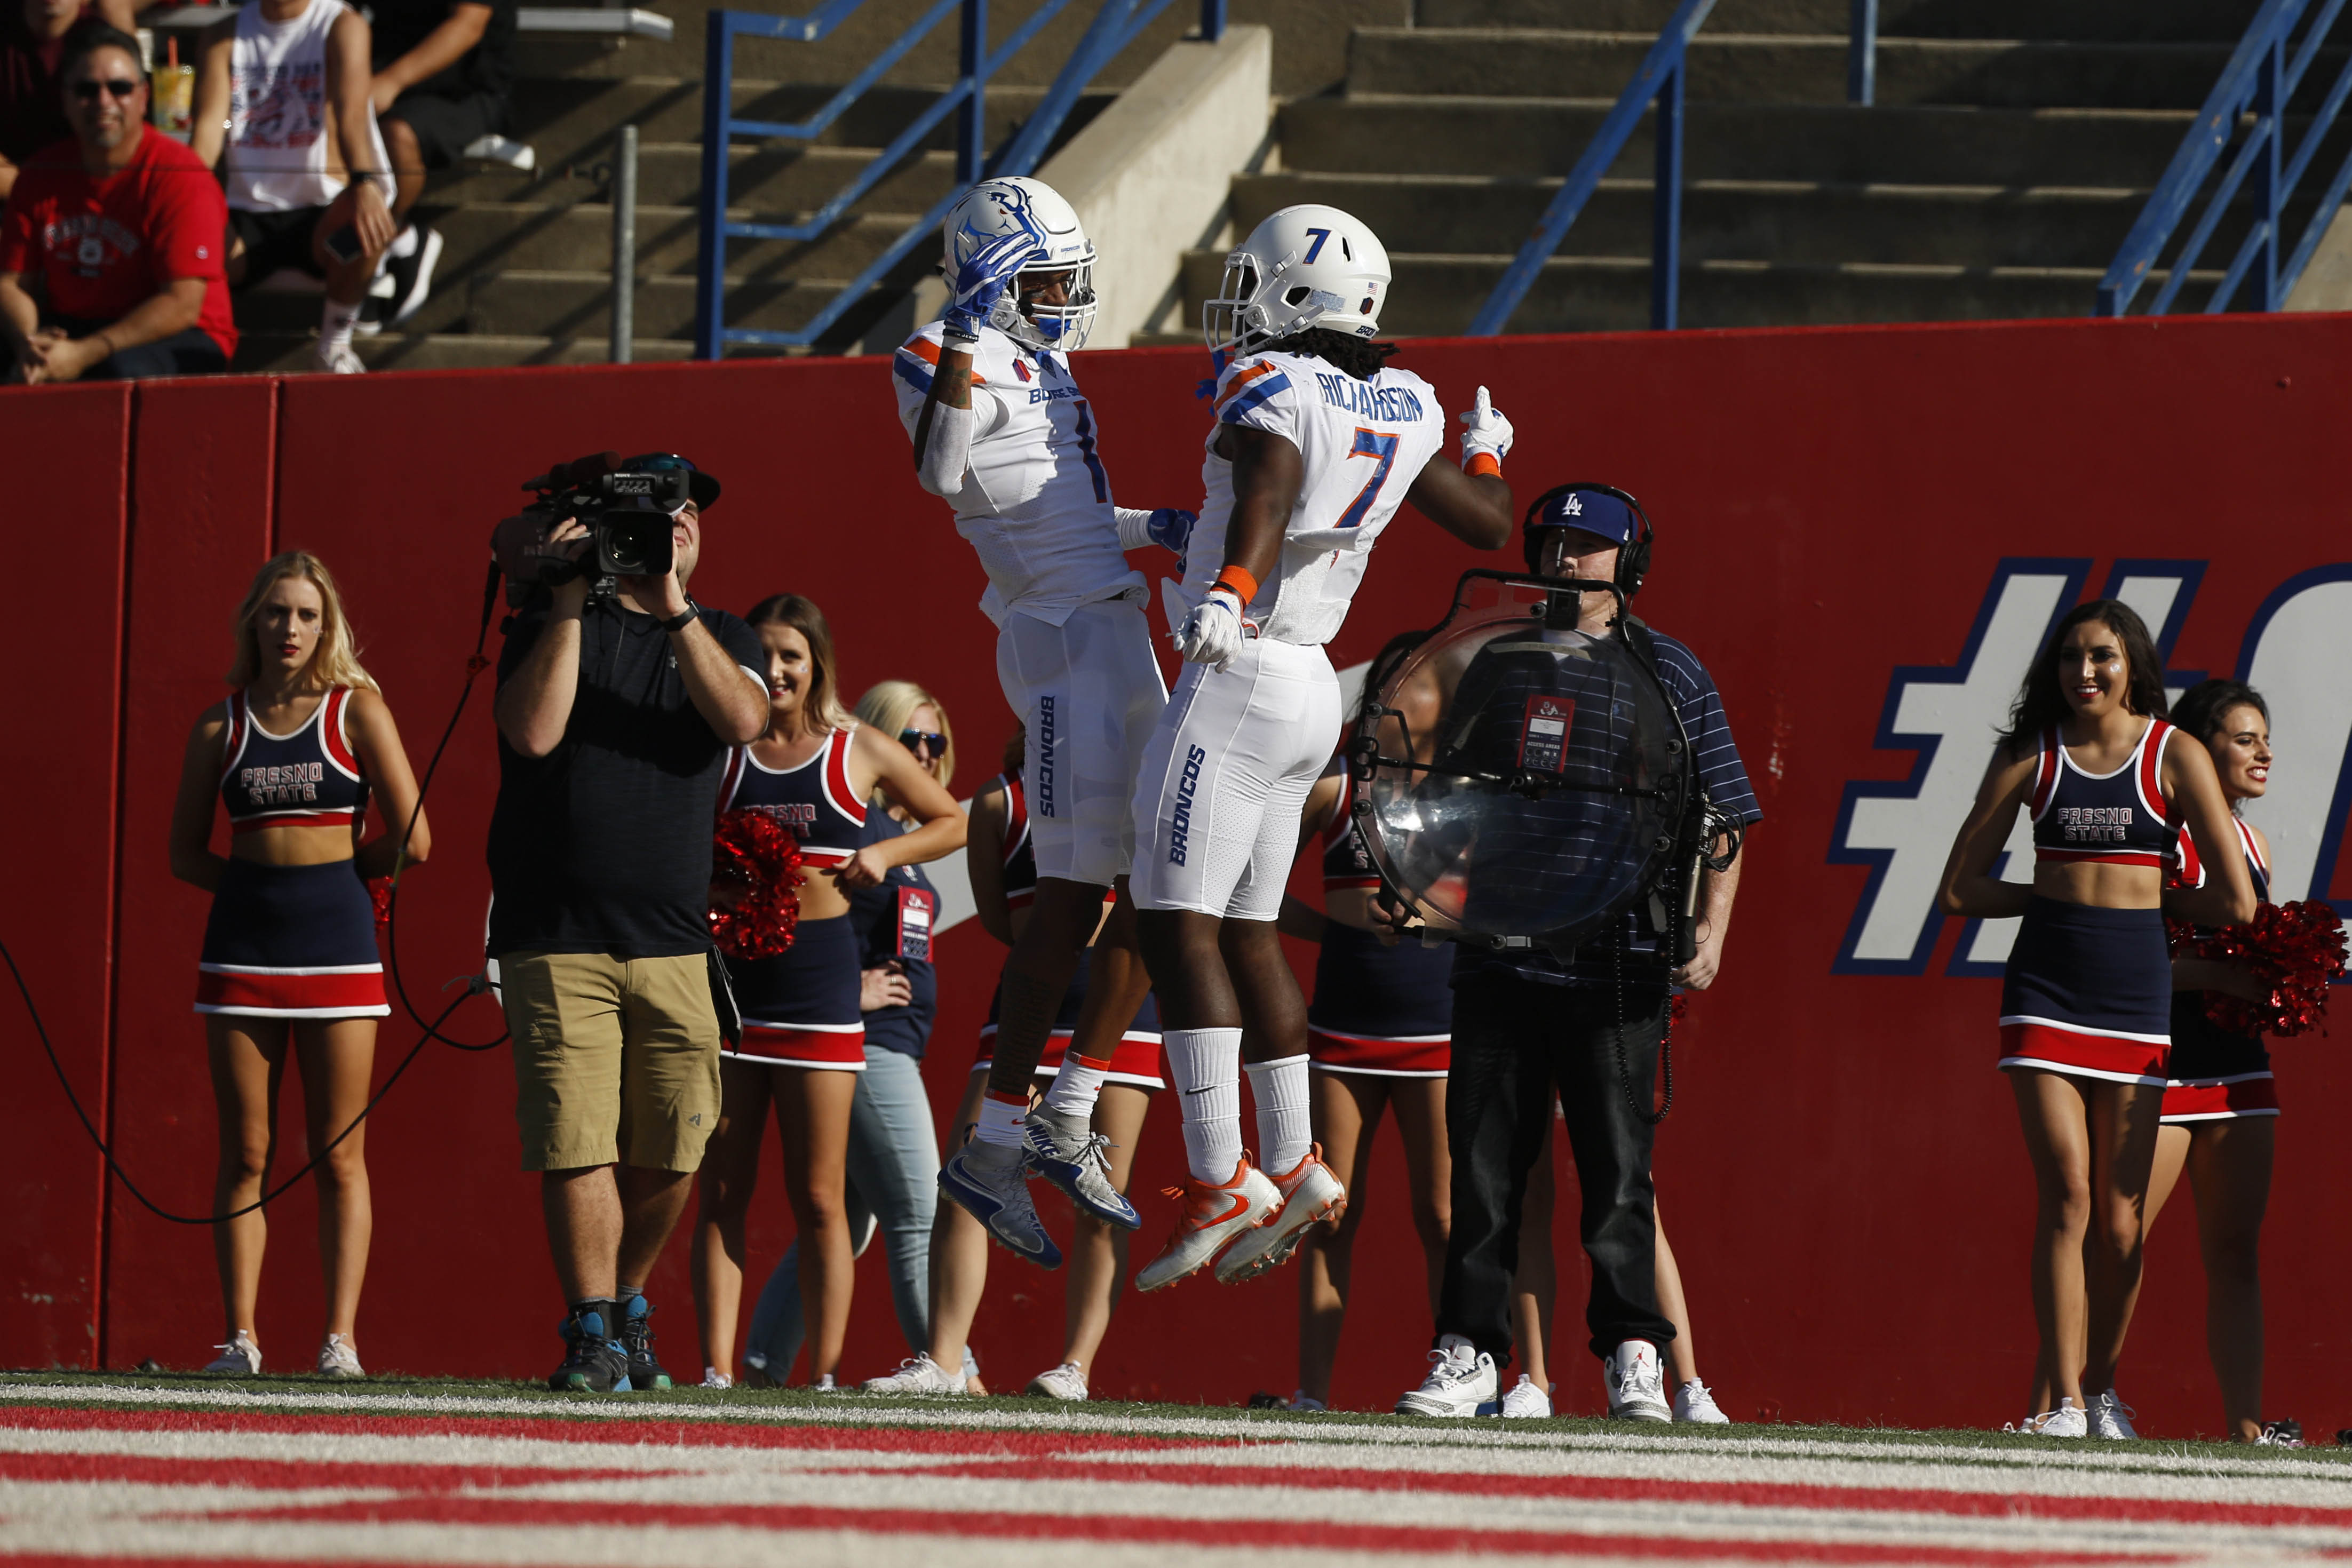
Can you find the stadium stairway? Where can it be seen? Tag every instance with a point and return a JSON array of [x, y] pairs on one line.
[[525, 278], [2012, 144]]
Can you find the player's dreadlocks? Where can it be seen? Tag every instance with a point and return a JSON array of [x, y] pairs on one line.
[[1359, 356]]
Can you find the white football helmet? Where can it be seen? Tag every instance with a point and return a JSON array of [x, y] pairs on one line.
[[1001, 206], [1304, 266]]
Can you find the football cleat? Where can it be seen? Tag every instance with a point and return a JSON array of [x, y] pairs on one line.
[[1635, 1385], [918, 1374], [1309, 1193], [2109, 1417], [1461, 1378], [991, 1182], [1068, 1151], [1526, 1401], [1694, 1403], [1213, 1217], [1067, 1381]]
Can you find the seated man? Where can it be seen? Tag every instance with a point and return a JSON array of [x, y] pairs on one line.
[[282, 107], [32, 47], [123, 226], [442, 71]]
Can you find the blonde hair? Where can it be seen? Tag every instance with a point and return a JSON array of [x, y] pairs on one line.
[[334, 661], [889, 705], [822, 707]]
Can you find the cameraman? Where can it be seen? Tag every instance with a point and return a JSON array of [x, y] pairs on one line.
[[1524, 1022], [615, 714]]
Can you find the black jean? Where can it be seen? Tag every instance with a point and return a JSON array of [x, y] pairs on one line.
[[189, 353], [1513, 1041]]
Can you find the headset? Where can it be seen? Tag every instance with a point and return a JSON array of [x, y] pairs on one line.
[[1633, 556]]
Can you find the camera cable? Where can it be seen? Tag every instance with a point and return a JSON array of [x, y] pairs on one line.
[[475, 665]]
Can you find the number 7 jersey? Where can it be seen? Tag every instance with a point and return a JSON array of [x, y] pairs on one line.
[[1363, 442]]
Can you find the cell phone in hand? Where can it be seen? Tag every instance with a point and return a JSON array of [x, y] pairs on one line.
[[343, 245]]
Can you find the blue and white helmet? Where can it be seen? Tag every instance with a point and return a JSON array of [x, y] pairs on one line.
[[1308, 266], [997, 207]]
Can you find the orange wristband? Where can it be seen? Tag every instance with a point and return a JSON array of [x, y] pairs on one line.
[[1483, 463], [1240, 582]]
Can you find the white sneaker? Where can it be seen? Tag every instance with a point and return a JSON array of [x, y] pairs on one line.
[[338, 1359], [991, 1182], [1213, 1217], [1526, 1400], [2109, 1417], [1461, 1378], [337, 362], [825, 1385], [714, 1378], [1637, 1388], [1066, 1381], [1309, 1193], [918, 1374], [240, 1357], [2068, 1421], [1066, 1151], [1694, 1403]]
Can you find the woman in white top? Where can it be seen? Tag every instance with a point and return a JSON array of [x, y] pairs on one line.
[[282, 93]]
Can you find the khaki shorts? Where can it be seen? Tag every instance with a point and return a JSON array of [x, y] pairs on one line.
[[616, 1060]]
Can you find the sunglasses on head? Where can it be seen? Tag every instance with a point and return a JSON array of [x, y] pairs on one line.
[[918, 740], [120, 86]]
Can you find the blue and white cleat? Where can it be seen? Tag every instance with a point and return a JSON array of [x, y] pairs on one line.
[[1068, 1151], [991, 1182]]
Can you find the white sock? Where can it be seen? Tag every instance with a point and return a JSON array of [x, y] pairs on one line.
[[1206, 1064], [999, 1120], [1076, 1086], [335, 326], [1285, 1133]]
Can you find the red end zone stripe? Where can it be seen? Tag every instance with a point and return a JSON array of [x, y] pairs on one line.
[[145, 1469], [1317, 1535]]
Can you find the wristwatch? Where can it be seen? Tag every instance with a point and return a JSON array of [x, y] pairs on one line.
[[678, 622]]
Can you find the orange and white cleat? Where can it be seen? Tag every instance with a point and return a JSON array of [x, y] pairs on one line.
[[1309, 1193], [1214, 1217]]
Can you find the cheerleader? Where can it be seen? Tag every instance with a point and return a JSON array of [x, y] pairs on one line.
[[290, 957], [803, 1035], [2221, 1103], [1003, 872], [2086, 1008]]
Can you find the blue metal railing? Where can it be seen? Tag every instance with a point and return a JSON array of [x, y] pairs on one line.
[[1116, 25], [2254, 90], [1659, 78]]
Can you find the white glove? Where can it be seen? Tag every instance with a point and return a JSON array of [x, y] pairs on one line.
[[1212, 634], [1485, 430]]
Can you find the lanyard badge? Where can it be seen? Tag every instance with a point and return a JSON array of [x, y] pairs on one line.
[[917, 908]]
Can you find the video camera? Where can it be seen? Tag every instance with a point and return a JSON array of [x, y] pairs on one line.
[[626, 512]]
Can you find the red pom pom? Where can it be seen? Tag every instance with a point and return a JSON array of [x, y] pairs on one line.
[[380, 894], [2294, 950], [755, 886]]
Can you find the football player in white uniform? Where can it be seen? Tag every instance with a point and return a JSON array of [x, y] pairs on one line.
[[1316, 445], [1002, 433]]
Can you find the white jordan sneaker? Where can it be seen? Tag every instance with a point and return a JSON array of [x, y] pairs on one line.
[[991, 1182], [338, 1359], [1213, 1217], [918, 1374], [1526, 1401], [1461, 1378], [240, 1357], [1636, 1386], [1309, 1193], [2109, 1417], [1694, 1403], [1066, 1381]]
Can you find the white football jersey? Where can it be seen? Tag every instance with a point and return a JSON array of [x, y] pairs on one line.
[[1035, 501], [1364, 443]]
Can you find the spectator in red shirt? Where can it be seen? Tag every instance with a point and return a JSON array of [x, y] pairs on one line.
[[123, 226], [32, 44]]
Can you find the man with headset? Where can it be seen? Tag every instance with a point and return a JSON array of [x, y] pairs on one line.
[[1524, 1022]]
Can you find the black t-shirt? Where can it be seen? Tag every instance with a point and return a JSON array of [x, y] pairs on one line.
[[603, 844], [399, 26], [906, 1030]]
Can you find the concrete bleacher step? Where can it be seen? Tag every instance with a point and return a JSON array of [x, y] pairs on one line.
[[1768, 68], [761, 179], [2112, 21]]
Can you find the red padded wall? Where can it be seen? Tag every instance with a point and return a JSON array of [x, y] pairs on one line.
[[70, 454], [1842, 1175]]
